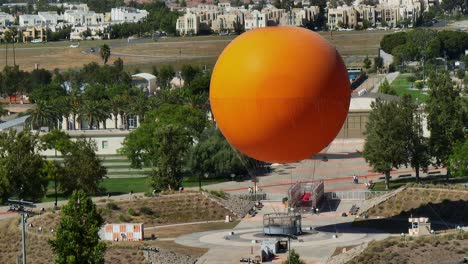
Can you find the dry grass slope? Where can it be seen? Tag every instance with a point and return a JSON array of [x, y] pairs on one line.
[[441, 250]]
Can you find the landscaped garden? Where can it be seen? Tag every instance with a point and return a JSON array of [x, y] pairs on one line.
[[403, 86]]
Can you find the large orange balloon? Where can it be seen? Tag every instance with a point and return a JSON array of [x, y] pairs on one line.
[[280, 94]]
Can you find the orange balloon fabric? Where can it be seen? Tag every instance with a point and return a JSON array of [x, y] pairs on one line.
[[280, 94]]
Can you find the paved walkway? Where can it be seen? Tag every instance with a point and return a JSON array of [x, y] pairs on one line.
[[315, 246]]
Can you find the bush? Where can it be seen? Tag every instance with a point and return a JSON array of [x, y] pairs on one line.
[[411, 78], [419, 85], [131, 212], [124, 218], [146, 211], [112, 206], [460, 74]]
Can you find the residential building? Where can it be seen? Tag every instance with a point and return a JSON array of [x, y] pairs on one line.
[[34, 32], [88, 32], [299, 17], [6, 19], [127, 14], [227, 23], [42, 18], [255, 19], [83, 18], [188, 24]]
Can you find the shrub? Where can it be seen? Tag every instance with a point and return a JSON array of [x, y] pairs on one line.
[[146, 210], [411, 79], [112, 206], [131, 212], [124, 218]]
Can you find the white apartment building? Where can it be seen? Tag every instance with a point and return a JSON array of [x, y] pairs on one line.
[[81, 18], [97, 31], [255, 19], [71, 6], [189, 23], [127, 14], [6, 19]]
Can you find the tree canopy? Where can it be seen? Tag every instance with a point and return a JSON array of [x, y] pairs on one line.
[[446, 117], [77, 239], [385, 138], [21, 166]]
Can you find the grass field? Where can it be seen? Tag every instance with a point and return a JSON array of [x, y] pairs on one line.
[[402, 86], [117, 186], [176, 51]]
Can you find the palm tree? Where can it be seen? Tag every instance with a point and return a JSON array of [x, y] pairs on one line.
[[105, 53], [43, 115], [139, 106], [104, 112], [115, 105], [90, 111], [64, 107]]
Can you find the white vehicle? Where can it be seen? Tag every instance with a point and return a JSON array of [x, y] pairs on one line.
[[74, 46], [36, 41]]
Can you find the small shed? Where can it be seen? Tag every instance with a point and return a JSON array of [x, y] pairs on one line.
[[420, 226]]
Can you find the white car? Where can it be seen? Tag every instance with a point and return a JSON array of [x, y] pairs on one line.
[[36, 41], [74, 46]]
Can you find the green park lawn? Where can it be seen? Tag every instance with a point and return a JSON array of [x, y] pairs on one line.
[[118, 186], [402, 85]]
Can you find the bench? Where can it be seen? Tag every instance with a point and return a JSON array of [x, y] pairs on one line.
[[404, 176], [354, 209], [433, 172]]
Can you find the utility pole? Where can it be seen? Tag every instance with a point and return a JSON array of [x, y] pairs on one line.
[[19, 207]]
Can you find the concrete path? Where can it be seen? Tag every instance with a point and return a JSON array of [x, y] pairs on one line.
[[390, 78], [316, 246]]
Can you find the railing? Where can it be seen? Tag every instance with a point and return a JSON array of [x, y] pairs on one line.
[[354, 195]]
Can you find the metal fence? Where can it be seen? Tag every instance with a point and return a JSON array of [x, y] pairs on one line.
[[354, 195]]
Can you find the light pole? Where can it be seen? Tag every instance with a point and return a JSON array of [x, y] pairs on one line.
[[233, 176], [19, 206]]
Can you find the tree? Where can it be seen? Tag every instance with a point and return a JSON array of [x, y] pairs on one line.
[[294, 258], [215, 156], [173, 142], [166, 73], [385, 138], [378, 63], [391, 41], [163, 140], [385, 88], [21, 166], [43, 115], [458, 160], [77, 237], [446, 117], [82, 168], [189, 73], [105, 53], [417, 149], [461, 74], [367, 63]]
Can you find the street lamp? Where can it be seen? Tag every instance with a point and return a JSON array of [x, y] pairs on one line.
[[19, 206], [233, 176], [403, 235]]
